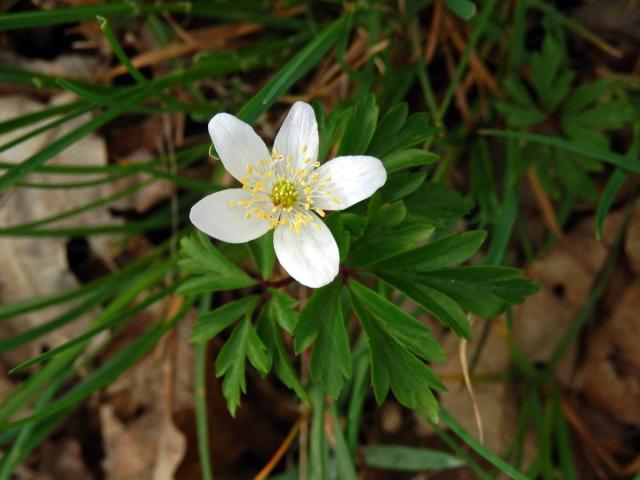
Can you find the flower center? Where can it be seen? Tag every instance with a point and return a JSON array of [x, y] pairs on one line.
[[284, 193]]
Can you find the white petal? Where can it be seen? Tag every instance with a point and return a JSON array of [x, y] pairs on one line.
[[236, 143], [353, 178], [311, 256], [215, 217], [298, 136]]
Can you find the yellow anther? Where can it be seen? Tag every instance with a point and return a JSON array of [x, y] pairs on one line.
[[232, 203]]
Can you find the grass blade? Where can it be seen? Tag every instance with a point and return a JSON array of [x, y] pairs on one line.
[[200, 399], [603, 155], [488, 455], [295, 68]]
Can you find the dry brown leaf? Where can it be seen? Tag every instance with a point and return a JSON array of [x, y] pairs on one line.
[[495, 399], [55, 460], [140, 437], [33, 267], [609, 376]]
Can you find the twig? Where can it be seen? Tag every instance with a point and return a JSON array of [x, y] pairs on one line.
[[546, 207], [282, 449], [434, 32], [467, 381]]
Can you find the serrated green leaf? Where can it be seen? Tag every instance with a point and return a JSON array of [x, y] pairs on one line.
[[584, 95], [281, 310], [444, 252], [330, 364], [504, 282], [314, 313], [521, 117], [216, 272], [243, 344], [393, 366], [417, 129], [212, 323], [405, 329], [275, 345], [372, 249], [441, 306], [434, 203]]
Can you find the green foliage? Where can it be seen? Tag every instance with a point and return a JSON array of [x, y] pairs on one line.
[[464, 9], [398, 247], [582, 114], [243, 344], [211, 323], [213, 271], [396, 457], [322, 322]]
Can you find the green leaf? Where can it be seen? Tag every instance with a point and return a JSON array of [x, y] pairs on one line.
[[400, 185], [320, 305], [462, 8], [272, 338], [329, 131], [384, 140], [409, 459], [243, 344], [340, 234], [352, 222], [372, 249], [281, 310], [212, 323], [393, 366], [441, 306], [444, 252], [584, 95], [417, 129], [330, 364], [411, 157], [521, 117], [395, 322], [360, 127], [551, 84], [216, 272], [434, 203], [263, 254], [504, 282]]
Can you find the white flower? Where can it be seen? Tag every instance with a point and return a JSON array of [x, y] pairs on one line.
[[286, 190]]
